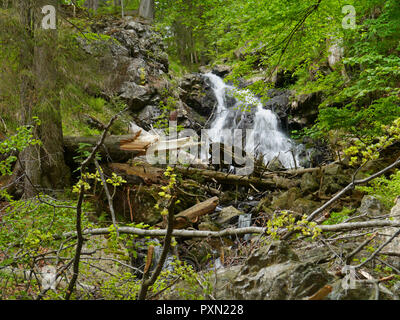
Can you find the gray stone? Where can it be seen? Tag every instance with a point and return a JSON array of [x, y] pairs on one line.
[[309, 183], [393, 246], [138, 27], [333, 184], [371, 206], [305, 206], [285, 200], [362, 291], [227, 215], [197, 94], [148, 116], [222, 70], [136, 95], [332, 170], [137, 71], [275, 273]]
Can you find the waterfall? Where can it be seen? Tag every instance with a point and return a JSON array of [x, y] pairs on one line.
[[241, 109]]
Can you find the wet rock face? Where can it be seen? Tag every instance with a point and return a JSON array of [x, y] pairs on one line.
[[222, 70], [197, 94], [279, 104]]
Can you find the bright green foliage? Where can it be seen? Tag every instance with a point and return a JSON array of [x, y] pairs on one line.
[[162, 121], [339, 217], [167, 192], [12, 146], [385, 189], [29, 227], [16, 143], [286, 220], [370, 98], [364, 151], [191, 285], [361, 93]]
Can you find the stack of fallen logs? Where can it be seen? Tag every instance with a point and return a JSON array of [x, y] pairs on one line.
[[141, 172], [118, 150]]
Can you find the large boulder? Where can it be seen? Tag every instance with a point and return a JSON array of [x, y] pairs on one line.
[[227, 215], [309, 183], [304, 109], [394, 246], [285, 200], [274, 272], [197, 94], [137, 96], [371, 207]]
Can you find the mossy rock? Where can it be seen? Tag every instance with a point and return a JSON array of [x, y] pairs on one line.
[[333, 184], [264, 204], [305, 206], [286, 199], [309, 183]]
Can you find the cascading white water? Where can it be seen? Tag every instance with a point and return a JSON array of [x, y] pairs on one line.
[[266, 137]]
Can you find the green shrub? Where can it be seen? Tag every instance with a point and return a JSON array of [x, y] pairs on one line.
[[386, 190]]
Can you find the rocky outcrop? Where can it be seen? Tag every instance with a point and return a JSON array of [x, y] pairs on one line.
[[393, 247], [136, 66], [274, 272], [370, 207], [133, 56], [227, 215], [196, 93]]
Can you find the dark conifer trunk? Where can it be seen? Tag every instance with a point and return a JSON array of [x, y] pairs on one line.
[[44, 165]]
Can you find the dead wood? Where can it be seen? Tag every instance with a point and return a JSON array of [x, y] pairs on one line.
[[191, 215]]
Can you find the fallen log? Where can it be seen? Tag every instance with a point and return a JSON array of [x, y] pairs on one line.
[[110, 149], [152, 174], [301, 171], [225, 232], [191, 215], [225, 178], [139, 143], [146, 173]]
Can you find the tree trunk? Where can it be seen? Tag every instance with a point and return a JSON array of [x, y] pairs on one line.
[[147, 9], [110, 150], [44, 165], [92, 4]]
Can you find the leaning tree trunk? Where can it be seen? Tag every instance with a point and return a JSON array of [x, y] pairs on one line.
[[147, 9], [44, 164]]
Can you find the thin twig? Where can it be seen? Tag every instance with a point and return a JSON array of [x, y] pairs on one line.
[[379, 249], [109, 198]]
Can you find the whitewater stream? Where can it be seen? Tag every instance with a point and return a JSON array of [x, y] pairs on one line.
[[241, 109]]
